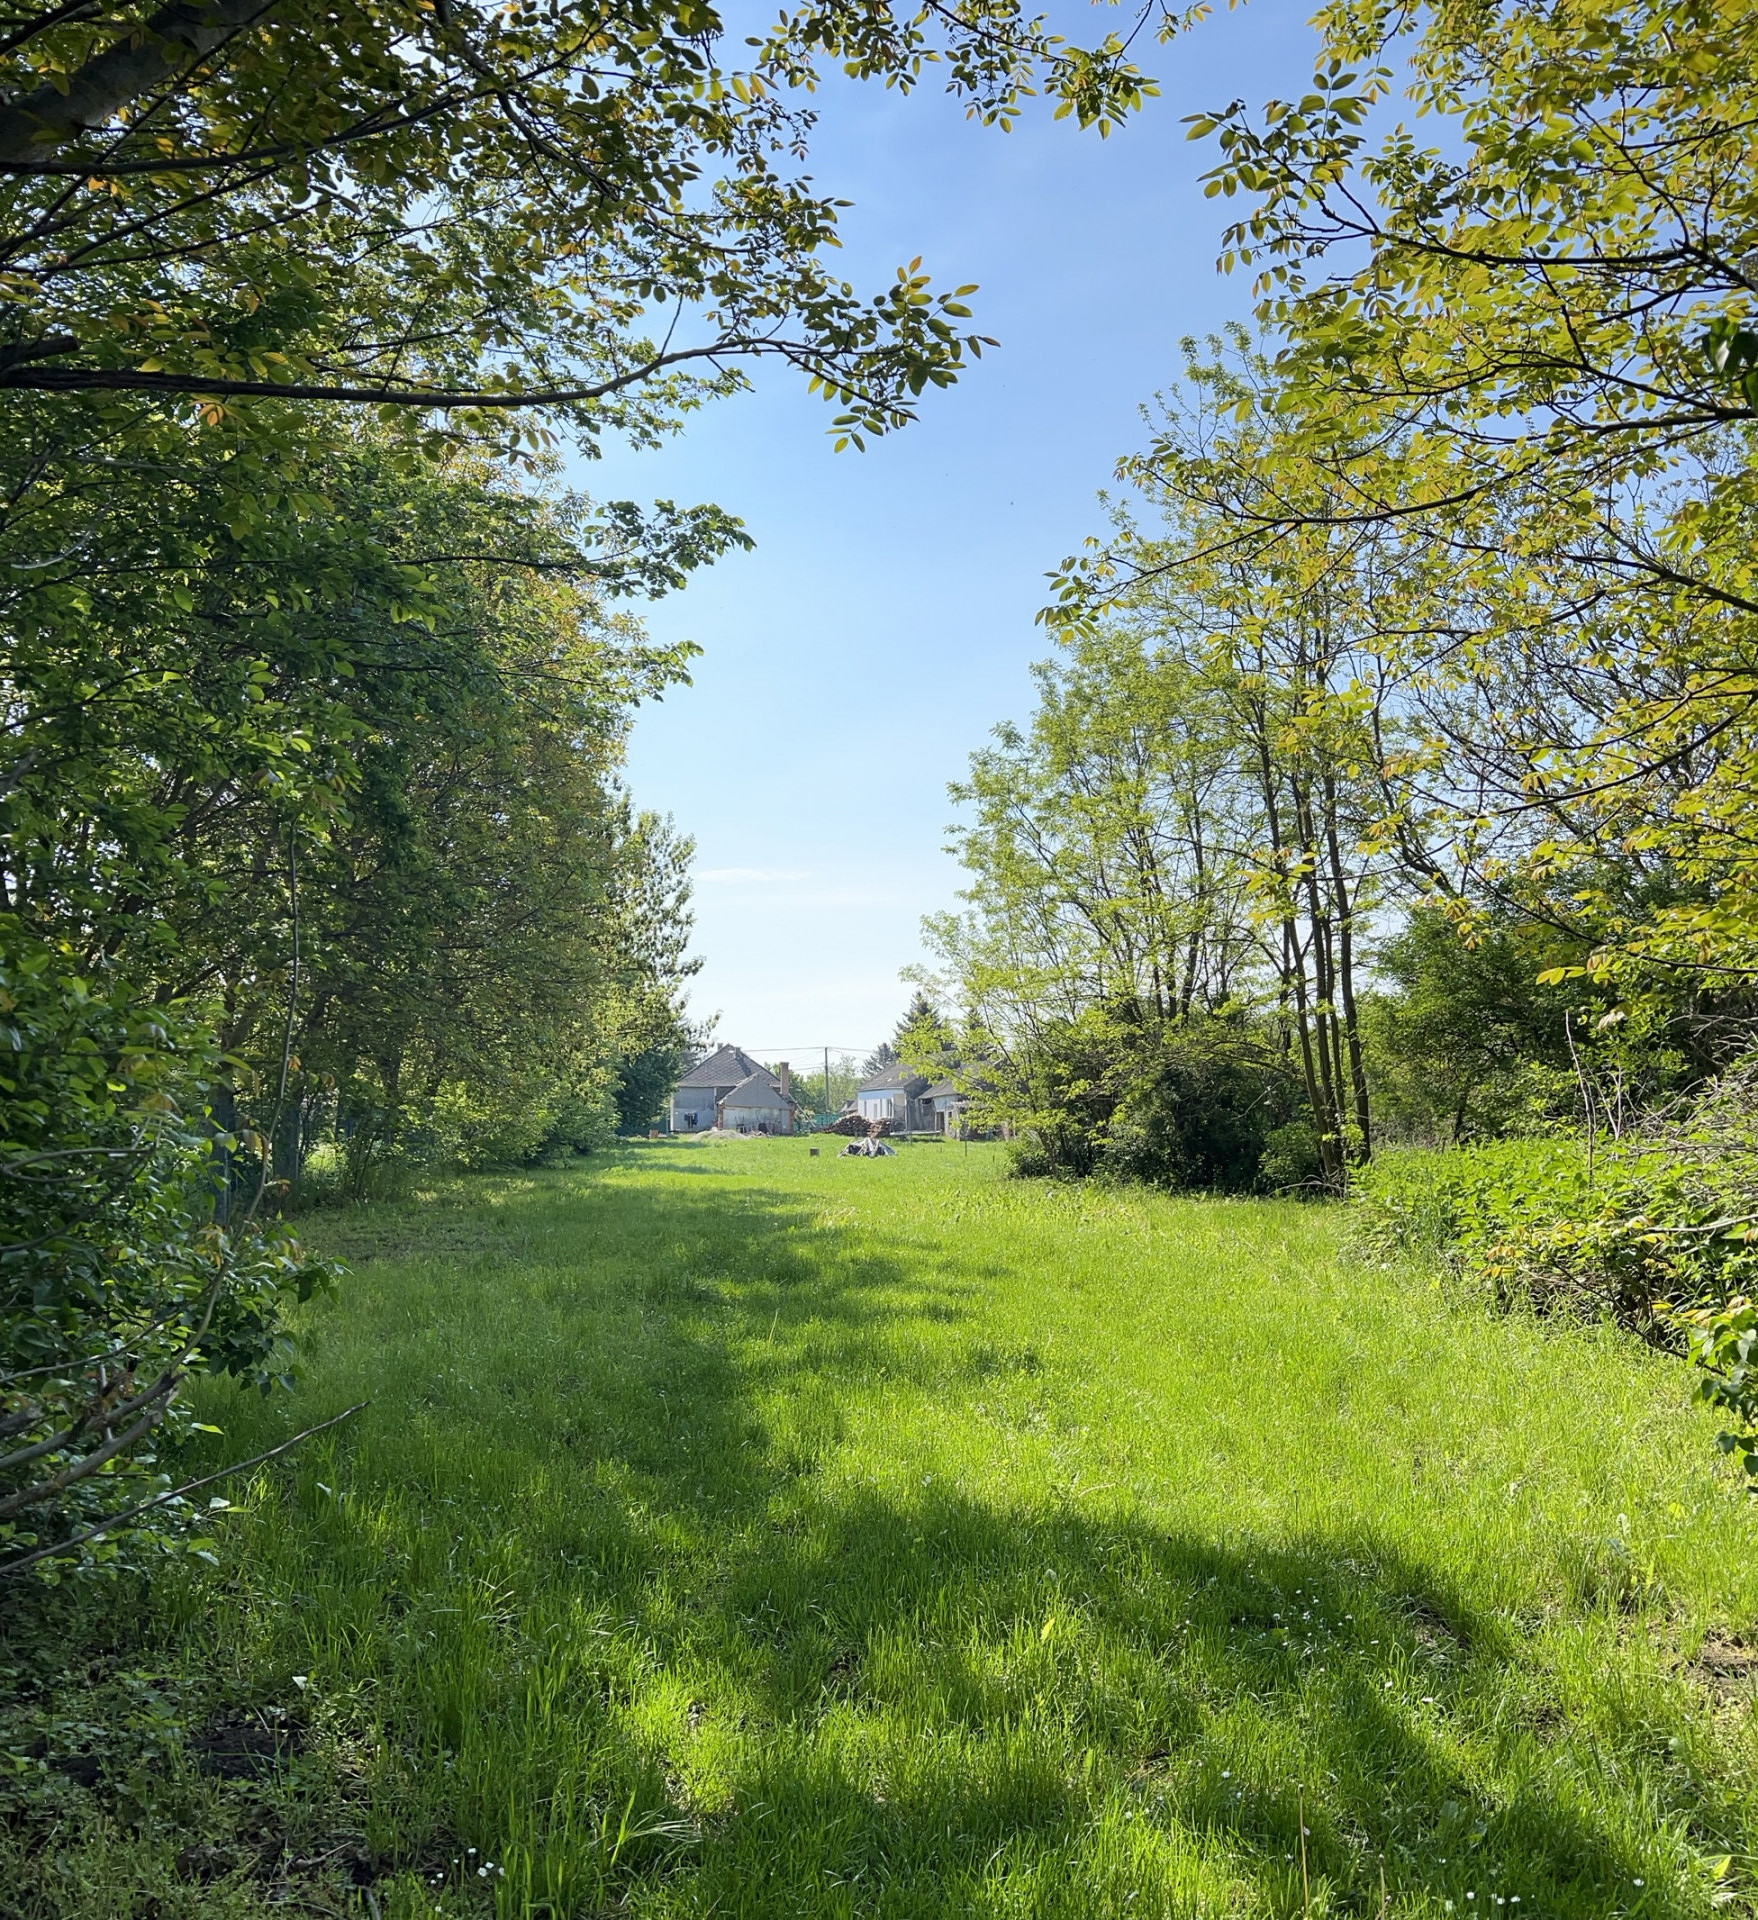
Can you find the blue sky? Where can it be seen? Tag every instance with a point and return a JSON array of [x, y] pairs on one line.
[[884, 623]]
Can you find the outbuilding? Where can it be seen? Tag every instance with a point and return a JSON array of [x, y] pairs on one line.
[[757, 1105], [895, 1095]]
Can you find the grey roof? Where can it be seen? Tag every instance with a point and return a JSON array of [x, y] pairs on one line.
[[724, 1067], [943, 1090], [759, 1090], [894, 1080]]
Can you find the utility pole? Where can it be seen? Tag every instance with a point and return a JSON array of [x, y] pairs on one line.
[[828, 1108]]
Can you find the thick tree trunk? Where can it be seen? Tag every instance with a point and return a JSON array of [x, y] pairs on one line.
[[163, 47]]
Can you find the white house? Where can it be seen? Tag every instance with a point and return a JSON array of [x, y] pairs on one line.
[[911, 1103], [895, 1095]]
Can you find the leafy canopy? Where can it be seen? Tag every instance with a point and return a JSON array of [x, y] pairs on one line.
[[579, 207]]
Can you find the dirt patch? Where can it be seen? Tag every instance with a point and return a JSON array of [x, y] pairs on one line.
[[1726, 1666], [1545, 1720], [1433, 1630], [246, 1749]]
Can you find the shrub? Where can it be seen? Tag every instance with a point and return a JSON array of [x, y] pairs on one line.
[[116, 1283], [1664, 1216], [1724, 1343], [1060, 1092], [1209, 1107], [1291, 1160], [1201, 1104], [1436, 1204]]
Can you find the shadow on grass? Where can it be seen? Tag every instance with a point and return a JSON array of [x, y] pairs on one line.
[[918, 1702], [1078, 1669], [1085, 1668]]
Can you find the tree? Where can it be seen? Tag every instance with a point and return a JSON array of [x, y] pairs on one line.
[[491, 932], [817, 1094], [348, 827], [1464, 1042], [115, 1285], [924, 1041], [1095, 873], [1547, 317], [1284, 672], [1561, 283], [476, 208]]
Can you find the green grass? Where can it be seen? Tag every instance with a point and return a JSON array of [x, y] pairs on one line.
[[734, 1532]]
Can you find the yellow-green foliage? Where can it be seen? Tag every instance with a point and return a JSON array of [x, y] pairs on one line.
[[1665, 1217], [739, 1532]]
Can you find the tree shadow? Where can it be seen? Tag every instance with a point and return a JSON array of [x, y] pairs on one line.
[[930, 1703], [1076, 1671]]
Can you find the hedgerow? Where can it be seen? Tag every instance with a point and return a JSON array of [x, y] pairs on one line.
[[1657, 1231], [117, 1279]]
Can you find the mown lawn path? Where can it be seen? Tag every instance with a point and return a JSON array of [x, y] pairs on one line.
[[736, 1532]]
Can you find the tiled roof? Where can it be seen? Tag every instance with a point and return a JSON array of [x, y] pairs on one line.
[[724, 1067], [758, 1091], [894, 1080]]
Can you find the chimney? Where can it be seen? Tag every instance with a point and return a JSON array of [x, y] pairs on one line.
[[785, 1075]]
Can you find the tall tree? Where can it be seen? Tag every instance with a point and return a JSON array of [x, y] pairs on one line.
[[1548, 312], [1275, 660]]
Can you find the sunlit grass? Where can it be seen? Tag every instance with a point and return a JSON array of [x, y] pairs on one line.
[[736, 1532]]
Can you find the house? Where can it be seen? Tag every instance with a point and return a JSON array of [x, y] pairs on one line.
[[896, 1095], [759, 1104], [946, 1107], [731, 1090]]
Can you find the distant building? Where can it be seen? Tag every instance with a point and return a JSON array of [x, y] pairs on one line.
[[732, 1091], [896, 1095], [911, 1102], [946, 1105]]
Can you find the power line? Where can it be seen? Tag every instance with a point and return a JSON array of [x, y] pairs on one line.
[[808, 1047], [814, 1046]]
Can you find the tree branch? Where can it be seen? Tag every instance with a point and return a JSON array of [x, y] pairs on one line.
[[130, 1514], [159, 50]]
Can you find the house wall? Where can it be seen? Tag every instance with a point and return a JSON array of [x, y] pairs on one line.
[[700, 1101], [755, 1119], [906, 1114]]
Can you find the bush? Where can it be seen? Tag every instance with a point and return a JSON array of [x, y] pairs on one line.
[[1292, 1162], [116, 1283], [1203, 1104], [1664, 1216], [1059, 1093], [1209, 1107], [1724, 1343], [1442, 1204]]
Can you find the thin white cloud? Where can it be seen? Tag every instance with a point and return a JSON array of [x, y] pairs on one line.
[[748, 876]]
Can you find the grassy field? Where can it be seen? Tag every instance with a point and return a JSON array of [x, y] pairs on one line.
[[734, 1532]]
